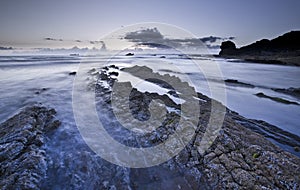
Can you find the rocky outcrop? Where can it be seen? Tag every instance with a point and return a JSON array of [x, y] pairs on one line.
[[234, 82], [129, 54], [243, 159], [239, 158], [284, 49], [276, 99], [228, 48], [22, 157], [290, 91]]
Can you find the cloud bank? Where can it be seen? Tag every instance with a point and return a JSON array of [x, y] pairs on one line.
[[152, 38], [6, 48]]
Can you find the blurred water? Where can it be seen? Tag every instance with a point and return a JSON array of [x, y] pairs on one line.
[[25, 80], [23, 77]]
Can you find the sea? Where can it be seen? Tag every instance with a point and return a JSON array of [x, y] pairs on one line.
[[48, 80]]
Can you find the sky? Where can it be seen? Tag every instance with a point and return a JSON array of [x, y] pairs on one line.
[[26, 23]]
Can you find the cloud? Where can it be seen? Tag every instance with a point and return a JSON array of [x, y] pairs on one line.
[[145, 35], [96, 42], [6, 48], [214, 39], [210, 39], [152, 38], [213, 46], [103, 47], [74, 49], [53, 39]]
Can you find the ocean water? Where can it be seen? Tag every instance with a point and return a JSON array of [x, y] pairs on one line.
[[45, 79], [31, 79]]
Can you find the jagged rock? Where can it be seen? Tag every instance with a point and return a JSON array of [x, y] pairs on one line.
[[251, 162], [239, 158], [23, 160]]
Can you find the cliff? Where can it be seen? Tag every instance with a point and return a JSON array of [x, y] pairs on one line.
[[284, 49]]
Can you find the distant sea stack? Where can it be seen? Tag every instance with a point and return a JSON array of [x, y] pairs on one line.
[[228, 48], [284, 49]]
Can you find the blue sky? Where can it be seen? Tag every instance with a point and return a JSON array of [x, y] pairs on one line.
[[25, 23]]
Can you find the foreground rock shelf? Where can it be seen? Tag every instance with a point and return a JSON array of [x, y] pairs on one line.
[[22, 156], [239, 158]]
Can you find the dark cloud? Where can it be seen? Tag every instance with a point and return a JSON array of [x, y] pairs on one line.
[[210, 39], [53, 39], [151, 37], [155, 45], [96, 42], [145, 35], [6, 48], [103, 46], [213, 39], [79, 41], [213, 46]]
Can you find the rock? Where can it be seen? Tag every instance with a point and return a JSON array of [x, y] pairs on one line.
[[227, 48], [73, 73], [234, 82], [276, 99], [74, 54], [23, 160], [282, 50], [286, 42], [239, 158], [114, 73], [129, 54], [39, 91], [290, 91]]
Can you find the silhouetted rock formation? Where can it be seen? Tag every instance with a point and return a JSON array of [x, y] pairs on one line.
[[284, 49], [228, 48]]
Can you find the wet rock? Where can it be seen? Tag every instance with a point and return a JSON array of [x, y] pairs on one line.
[[22, 157], [276, 99], [239, 158], [114, 73], [39, 91], [233, 82], [129, 54], [290, 91], [73, 73]]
